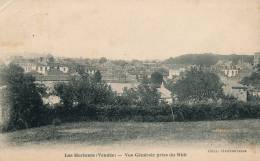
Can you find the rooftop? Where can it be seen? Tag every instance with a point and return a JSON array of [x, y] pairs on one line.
[[119, 87], [53, 78]]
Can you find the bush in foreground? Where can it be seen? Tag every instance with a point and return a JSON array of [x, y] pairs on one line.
[[181, 112]]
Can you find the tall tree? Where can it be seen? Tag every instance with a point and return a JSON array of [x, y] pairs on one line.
[[84, 90], [198, 85], [23, 97], [97, 76], [80, 69], [156, 78], [143, 95], [148, 95], [102, 60], [206, 59]]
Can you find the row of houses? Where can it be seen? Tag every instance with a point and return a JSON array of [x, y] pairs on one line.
[[232, 76], [40, 65], [49, 71]]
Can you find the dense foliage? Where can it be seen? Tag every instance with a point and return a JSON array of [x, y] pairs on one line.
[[143, 95], [161, 113], [156, 78], [194, 59], [198, 85], [84, 90], [24, 98], [208, 59]]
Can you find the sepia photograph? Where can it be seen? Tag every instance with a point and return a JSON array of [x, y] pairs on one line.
[[133, 80]]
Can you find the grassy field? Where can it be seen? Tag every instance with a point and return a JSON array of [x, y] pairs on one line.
[[108, 133]]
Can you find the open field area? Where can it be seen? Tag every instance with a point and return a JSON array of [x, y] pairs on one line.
[[108, 133], [192, 139]]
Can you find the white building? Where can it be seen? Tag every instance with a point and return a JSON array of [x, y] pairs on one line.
[[64, 69], [28, 67], [51, 100], [40, 65], [119, 87], [52, 77], [235, 89], [166, 95], [42, 69], [240, 93], [175, 72], [231, 72]]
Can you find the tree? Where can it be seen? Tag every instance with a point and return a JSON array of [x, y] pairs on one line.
[[143, 95], [206, 59], [97, 76], [66, 94], [80, 69], [129, 97], [84, 91], [51, 59], [102, 60], [198, 85], [148, 95], [156, 78], [121, 63], [23, 97], [253, 79]]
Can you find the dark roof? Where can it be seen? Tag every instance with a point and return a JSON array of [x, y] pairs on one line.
[[53, 78], [55, 72]]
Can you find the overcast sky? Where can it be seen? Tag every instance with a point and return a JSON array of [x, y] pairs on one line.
[[129, 29]]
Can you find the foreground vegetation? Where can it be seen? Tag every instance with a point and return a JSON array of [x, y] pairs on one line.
[[176, 112]]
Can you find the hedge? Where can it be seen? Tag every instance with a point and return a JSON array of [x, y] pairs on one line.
[[181, 112]]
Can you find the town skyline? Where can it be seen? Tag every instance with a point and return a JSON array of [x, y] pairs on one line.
[[37, 55]]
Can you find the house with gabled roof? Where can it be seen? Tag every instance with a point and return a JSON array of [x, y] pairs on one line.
[[166, 95]]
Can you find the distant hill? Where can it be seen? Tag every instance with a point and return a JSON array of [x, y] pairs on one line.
[[208, 59]]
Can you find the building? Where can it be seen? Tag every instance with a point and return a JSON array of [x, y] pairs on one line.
[[4, 106], [166, 95], [91, 70], [232, 87], [52, 77], [240, 93], [253, 93], [40, 65], [64, 69], [230, 72], [112, 73], [173, 73], [41, 68], [257, 59], [119, 87]]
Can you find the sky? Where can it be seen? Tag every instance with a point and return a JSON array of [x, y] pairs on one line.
[[129, 29]]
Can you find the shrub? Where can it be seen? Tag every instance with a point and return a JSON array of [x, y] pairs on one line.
[[56, 122], [182, 112]]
